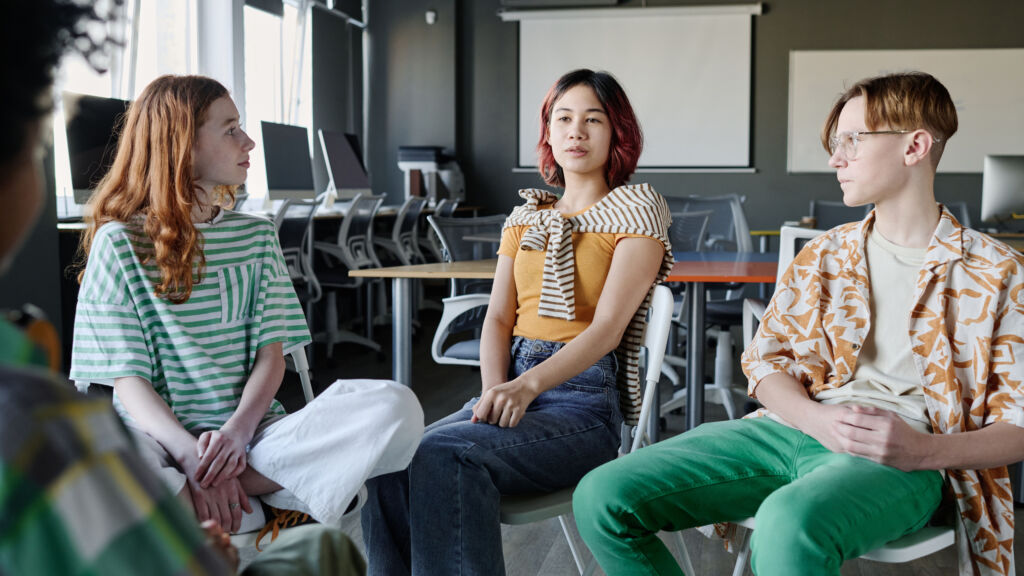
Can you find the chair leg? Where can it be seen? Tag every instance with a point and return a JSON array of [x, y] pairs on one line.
[[572, 543], [332, 321], [723, 370], [743, 557], [684, 555]]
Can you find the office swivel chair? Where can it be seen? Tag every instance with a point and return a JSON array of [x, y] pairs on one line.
[[727, 231], [830, 213], [353, 250], [403, 243], [430, 245], [464, 309]]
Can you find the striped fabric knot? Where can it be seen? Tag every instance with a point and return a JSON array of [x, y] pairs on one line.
[[553, 233], [635, 209]]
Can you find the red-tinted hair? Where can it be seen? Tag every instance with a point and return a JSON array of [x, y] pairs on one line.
[[627, 137]]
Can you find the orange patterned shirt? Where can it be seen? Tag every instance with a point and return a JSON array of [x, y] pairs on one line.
[[967, 333]]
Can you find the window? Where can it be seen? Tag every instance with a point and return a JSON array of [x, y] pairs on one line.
[[160, 39], [278, 78]]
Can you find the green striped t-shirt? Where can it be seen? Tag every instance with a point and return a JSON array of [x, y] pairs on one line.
[[197, 354]]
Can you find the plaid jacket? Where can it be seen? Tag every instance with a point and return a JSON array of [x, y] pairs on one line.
[[75, 498], [967, 334]]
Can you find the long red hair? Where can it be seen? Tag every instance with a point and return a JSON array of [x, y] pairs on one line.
[[152, 176]]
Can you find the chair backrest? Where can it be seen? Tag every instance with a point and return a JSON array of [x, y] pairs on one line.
[[959, 210], [655, 340], [829, 213], [788, 244], [446, 208], [294, 223], [453, 232], [405, 233], [728, 230], [240, 199], [355, 236], [689, 231]]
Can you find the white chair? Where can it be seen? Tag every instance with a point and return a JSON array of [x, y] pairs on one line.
[[301, 366], [465, 352], [530, 508], [924, 542], [753, 309]]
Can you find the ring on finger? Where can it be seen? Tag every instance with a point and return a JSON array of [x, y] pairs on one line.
[[234, 506]]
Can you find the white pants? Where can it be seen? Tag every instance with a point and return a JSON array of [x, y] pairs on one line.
[[322, 454]]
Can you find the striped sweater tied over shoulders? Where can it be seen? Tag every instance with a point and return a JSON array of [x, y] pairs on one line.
[[631, 209]]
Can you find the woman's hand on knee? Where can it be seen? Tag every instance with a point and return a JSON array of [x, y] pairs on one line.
[[221, 456], [504, 404]]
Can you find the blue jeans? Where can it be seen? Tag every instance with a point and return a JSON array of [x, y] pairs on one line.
[[442, 514]]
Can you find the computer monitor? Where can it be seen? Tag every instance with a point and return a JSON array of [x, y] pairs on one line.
[[289, 166], [1002, 187], [92, 124], [344, 164]]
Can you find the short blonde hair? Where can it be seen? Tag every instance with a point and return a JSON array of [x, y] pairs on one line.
[[905, 101]]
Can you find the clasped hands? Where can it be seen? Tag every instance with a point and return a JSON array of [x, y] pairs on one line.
[[873, 433], [213, 472], [504, 404]]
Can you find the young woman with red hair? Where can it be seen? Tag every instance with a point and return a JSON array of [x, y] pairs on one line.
[[187, 310], [558, 350]]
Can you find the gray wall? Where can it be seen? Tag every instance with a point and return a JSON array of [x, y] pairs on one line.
[[412, 85], [487, 87], [337, 82]]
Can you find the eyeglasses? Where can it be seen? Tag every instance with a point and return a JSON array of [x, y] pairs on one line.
[[846, 142]]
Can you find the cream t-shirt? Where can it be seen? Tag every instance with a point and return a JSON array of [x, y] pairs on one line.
[[885, 376]]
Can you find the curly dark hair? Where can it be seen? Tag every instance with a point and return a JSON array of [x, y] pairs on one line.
[[34, 34]]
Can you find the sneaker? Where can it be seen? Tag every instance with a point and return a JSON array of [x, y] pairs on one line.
[[282, 519]]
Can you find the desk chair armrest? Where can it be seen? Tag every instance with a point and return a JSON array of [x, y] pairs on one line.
[[331, 249], [298, 357], [753, 311]]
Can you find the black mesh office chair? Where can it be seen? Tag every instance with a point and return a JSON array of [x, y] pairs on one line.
[[430, 245], [727, 231], [404, 241], [829, 213]]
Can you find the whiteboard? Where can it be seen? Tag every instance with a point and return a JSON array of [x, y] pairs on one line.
[[987, 87], [687, 75]]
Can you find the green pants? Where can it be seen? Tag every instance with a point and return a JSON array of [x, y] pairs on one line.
[[814, 508]]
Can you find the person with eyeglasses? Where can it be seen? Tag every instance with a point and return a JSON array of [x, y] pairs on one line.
[[889, 367]]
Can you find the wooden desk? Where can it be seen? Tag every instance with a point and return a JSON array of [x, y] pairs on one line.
[[401, 281], [1014, 239], [695, 269]]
